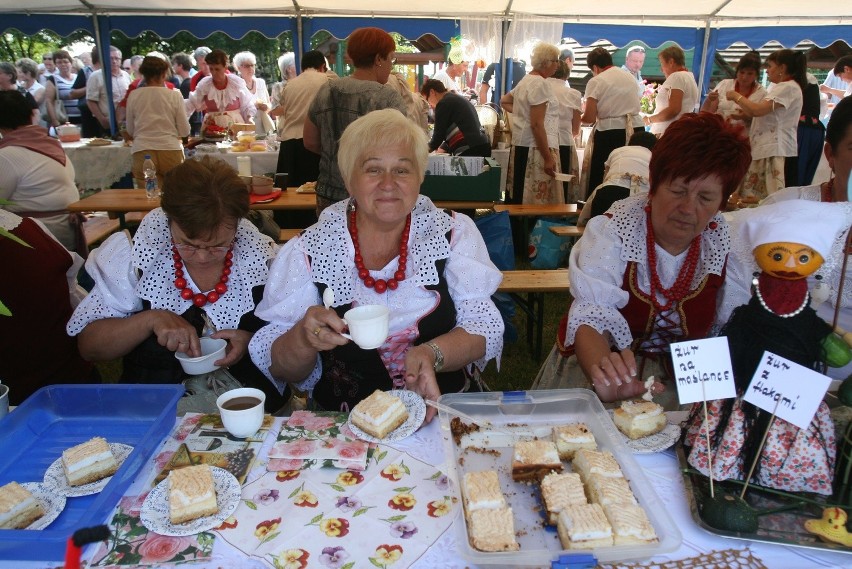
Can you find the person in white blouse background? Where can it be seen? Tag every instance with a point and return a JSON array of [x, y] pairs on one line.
[[677, 95]]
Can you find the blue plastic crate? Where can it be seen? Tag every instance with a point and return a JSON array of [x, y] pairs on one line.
[[60, 416]]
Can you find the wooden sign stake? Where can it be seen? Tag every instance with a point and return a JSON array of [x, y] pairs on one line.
[[760, 448]]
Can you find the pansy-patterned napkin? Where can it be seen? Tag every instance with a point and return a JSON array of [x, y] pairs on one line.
[[387, 515], [318, 439]]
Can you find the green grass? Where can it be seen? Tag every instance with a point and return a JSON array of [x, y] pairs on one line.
[[518, 365]]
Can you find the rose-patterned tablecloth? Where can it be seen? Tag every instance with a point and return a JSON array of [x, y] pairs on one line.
[[317, 439], [197, 439]]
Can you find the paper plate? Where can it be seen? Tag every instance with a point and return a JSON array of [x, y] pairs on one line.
[[55, 476], [52, 503], [416, 408], [155, 509], [657, 442]]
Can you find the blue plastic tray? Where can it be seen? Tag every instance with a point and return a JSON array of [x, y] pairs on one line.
[[60, 416]]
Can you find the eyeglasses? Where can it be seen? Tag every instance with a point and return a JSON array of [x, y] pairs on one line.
[[248, 65], [126, 68], [47, 59], [187, 250]]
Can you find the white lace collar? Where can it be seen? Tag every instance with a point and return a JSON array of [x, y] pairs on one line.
[[330, 247], [9, 220], [222, 97], [629, 218], [152, 255]]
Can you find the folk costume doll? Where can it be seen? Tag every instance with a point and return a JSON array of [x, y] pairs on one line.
[[789, 242]]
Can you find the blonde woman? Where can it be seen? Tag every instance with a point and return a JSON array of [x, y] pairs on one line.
[[535, 131]]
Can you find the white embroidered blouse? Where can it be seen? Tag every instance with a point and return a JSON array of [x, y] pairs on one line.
[[119, 291], [599, 260], [471, 276]]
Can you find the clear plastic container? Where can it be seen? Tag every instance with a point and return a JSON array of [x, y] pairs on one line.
[[535, 413]]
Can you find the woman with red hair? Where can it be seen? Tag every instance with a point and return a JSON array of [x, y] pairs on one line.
[[340, 101], [650, 271]]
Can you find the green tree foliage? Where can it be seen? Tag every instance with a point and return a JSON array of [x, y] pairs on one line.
[[15, 44]]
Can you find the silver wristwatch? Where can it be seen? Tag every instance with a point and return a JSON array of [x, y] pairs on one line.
[[439, 356]]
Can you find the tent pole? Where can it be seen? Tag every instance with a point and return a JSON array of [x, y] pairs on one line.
[[701, 72]]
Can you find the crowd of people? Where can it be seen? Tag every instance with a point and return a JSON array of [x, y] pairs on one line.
[[661, 265]]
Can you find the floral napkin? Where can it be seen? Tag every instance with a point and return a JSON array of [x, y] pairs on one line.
[[317, 439], [390, 513]]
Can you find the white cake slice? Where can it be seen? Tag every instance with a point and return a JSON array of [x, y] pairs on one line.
[[192, 493], [88, 462], [18, 507], [379, 414]]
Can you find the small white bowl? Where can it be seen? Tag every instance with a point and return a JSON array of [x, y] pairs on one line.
[[212, 349]]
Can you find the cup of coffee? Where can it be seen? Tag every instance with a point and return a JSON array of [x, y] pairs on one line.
[[368, 325], [242, 410], [4, 400]]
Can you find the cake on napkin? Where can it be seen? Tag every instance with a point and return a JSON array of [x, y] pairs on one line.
[[532, 460], [88, 462], [18, 507], [639, 418], [191, 493], [379, 414]]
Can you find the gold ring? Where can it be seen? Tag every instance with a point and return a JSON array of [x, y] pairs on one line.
[[317, 331]]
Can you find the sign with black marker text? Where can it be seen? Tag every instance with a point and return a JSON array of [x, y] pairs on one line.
[[796, 389], [702, 370]]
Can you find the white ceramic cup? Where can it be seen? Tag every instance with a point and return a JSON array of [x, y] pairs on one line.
[[368, 325], [243, 422], [4, 400]]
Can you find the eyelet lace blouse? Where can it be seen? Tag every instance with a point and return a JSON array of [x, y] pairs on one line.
[[119, 291], [598, 262], [469, 273]]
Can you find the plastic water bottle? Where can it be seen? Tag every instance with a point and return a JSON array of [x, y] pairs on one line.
[[152, 190]]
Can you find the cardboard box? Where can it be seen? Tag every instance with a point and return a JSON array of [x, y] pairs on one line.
[[484, 187]]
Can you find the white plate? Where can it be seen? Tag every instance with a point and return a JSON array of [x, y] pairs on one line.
[[55, 475], [155, 509], [657, 442], [416, 408], [52, 503]]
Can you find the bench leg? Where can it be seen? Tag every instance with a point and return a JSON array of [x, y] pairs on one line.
[[533, 307]]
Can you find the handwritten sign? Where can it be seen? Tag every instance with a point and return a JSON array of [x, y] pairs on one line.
[[797, 389], [702, 369]]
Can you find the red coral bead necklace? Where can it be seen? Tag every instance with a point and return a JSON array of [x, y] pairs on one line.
[[380, 285], [199, 299], [681, 286]]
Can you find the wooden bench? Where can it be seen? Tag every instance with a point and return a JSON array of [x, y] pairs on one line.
[[287, 234], [98, 228], [539, 210], [534, 283], [571, 231]]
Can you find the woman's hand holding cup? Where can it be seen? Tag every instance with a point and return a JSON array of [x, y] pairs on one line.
[[322, 329]]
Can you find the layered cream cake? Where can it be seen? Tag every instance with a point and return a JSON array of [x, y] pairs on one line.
[[88, 462], [559, 491], [379, 414], [630, 524], [584, 527], [18, 507], [639, 418], [493, 530], [481, 491], [607, 491], [533, 460], [571, 438], [191, 493], [588, 462]]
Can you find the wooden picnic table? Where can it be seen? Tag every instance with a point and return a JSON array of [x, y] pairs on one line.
[[539, 210], [534, 283]]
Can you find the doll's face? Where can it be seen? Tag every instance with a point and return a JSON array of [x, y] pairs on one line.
[[791, 261]]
